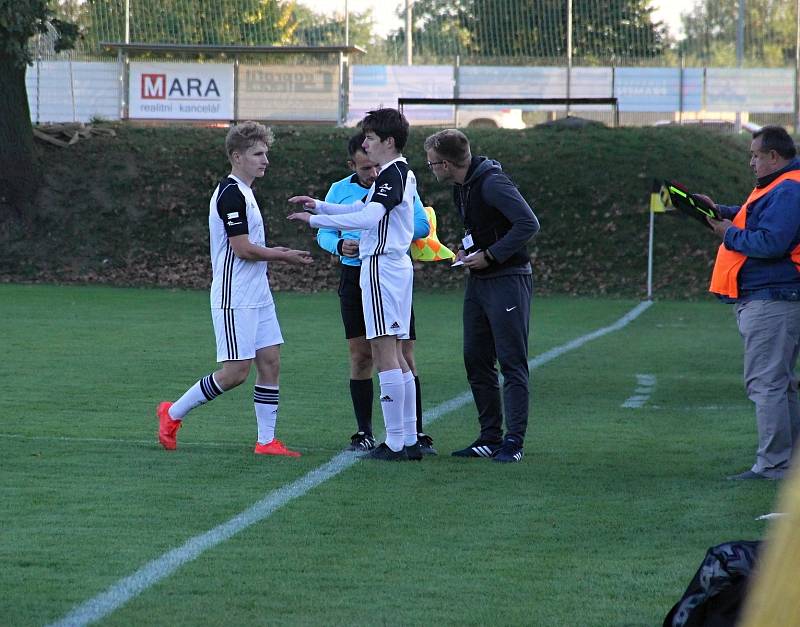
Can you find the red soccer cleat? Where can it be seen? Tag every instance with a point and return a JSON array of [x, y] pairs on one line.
[[276, 447], [167, 427]]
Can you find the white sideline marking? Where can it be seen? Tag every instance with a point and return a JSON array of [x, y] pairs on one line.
[[119, 593], [646, 384], [66, 438]]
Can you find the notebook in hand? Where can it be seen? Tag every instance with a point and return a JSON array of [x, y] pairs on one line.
[[691, 204]]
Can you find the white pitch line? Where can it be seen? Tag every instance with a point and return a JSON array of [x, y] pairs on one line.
[[127, 588], [67, 438], [646, 384]]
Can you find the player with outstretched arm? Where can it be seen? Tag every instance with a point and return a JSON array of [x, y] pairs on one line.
[[386, 221], [242, 308]]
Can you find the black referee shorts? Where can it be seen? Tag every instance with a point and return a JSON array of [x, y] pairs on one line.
[[350, 304]]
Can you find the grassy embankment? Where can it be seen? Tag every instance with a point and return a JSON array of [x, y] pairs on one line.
[[132, 210]]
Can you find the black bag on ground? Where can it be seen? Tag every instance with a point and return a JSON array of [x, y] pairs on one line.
[[716, 593]]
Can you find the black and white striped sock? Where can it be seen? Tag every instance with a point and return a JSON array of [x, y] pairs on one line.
[[206, 389], [266, 399]]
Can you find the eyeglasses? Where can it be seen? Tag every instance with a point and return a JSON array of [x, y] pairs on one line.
[[433, 163]]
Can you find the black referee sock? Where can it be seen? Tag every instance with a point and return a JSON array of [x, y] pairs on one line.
[[419, 404], [362, 394]]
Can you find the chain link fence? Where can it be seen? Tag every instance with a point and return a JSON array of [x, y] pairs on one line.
[[727, 50]]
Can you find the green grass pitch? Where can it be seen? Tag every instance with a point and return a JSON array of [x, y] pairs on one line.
[[603, 523]]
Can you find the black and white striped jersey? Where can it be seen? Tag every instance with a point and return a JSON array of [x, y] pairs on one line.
[[385, 217], [237, 283]]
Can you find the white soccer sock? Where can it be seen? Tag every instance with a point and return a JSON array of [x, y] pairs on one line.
[[409, 409], [265, 399], [392, 401], [206, 389]]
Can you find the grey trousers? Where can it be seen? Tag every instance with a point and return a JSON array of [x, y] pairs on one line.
[[771, 333], [496, 321]]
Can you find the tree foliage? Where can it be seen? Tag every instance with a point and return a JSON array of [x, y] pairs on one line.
[[22, 19], [534, 28], [769, 32], [19, 21], [219, 22]]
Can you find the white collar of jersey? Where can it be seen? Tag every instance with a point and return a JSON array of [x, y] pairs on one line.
[[237, 179], [396, 159]]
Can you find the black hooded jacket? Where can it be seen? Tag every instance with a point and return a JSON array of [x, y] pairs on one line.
[[497, 216]]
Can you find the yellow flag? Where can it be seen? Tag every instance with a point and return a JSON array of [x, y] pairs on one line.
[[430, 248], [659, 198]]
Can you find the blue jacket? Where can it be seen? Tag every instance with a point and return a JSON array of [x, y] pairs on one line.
[[772, 231], [349, 190]]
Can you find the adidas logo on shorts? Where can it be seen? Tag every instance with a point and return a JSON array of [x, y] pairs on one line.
[[387, 399], [395, 325]]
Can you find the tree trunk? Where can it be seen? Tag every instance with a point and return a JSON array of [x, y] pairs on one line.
[[19, 182]]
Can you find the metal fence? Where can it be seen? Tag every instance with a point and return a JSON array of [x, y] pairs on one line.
[[736, 62]]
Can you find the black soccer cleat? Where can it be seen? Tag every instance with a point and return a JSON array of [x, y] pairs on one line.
[[426, 444], [362, 442], [385, 454], [509, 452], [414, 452], [479, 448]]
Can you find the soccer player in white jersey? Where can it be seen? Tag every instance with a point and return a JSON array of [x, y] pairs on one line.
[[385, 219], [242, 309], [344, 244]]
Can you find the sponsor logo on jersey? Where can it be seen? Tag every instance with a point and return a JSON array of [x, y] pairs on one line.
[[232, 223], [233, 215], [383, 189]]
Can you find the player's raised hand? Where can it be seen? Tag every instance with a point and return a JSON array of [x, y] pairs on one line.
[[300, 216], [306, 201]]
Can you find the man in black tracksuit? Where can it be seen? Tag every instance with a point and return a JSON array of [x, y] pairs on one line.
[[499, 223]]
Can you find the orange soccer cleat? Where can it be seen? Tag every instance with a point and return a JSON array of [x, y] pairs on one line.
[[167, 427], [276, 447]]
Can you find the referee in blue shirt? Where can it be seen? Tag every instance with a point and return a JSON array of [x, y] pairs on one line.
[[344, 244]]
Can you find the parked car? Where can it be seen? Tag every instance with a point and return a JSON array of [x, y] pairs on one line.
[[472, 117]]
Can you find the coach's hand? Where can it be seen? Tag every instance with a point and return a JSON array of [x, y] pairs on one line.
[[308, 202], [478, 261]]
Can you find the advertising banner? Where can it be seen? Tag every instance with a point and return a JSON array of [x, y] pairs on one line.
[[757, 89], [372, 86], [289, 92], [180, 91]]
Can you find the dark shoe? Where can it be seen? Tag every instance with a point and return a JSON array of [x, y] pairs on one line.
[[426, 444], [748, 474], [509, 452], [414, 452], [385, 454], [479, 448], [362, 442]]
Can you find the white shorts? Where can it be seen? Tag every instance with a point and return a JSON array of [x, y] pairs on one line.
[[386, 286], [241, 332]]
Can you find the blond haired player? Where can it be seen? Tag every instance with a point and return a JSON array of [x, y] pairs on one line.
[[242, 309]]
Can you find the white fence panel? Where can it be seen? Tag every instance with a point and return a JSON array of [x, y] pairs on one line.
[[93, 87]]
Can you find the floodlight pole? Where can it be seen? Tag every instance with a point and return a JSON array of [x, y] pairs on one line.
[[346, 24], [409, 33], [122, 57], [739, 54], [797, 67], [569, 53], [650, 257]]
